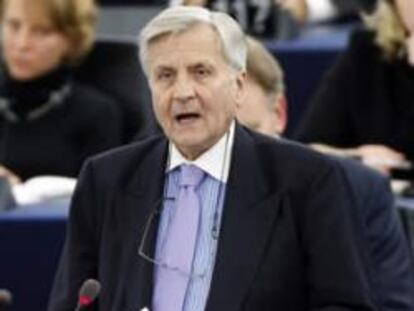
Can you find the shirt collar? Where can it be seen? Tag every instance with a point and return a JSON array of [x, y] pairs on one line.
[[215, 161]]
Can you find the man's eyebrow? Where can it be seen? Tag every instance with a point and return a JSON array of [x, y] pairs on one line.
[[163, 68], [204, 63]]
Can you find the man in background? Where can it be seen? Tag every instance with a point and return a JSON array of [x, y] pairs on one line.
[[389, 260]]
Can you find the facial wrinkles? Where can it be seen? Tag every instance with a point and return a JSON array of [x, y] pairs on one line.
[[182, 88], [194, 89], [185, 99], [191, 97], [184, 83]]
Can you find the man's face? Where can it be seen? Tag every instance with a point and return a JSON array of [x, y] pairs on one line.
[[194, 90]]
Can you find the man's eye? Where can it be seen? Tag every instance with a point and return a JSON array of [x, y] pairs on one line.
[[164, 76], [202, 72]]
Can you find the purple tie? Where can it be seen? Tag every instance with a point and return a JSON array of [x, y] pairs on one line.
[[178, 253]]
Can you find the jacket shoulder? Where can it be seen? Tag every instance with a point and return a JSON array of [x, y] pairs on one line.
[[287, 160], [124, 161]]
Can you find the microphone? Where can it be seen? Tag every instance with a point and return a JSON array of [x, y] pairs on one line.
[[88, 292], [6, 298]]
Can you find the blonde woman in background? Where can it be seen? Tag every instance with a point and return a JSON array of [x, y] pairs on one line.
[[49, 123], [364, 107]]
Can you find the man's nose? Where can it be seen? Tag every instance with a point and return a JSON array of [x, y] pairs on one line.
[[184, 88]]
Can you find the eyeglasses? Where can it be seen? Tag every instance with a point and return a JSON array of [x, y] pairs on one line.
[[145, 246]]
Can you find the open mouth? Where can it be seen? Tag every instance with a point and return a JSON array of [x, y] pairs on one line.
[[184, 118]]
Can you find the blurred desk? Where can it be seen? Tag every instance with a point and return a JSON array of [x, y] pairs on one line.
[[31, 239], [405, 203]]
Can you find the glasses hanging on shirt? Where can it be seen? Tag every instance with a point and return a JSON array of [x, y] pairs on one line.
[[146, 247]]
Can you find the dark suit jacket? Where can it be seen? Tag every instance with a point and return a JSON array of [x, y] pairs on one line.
[[390, 262], [286, 241]]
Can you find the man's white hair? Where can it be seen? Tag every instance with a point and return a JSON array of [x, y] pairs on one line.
[[181, 18]]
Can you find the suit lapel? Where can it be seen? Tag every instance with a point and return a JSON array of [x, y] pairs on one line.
[[249, 213], [140, 197]]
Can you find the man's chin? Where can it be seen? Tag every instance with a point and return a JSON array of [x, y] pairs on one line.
[[190, 147]]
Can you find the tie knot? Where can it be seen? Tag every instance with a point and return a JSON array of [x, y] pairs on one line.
[[191, 175]]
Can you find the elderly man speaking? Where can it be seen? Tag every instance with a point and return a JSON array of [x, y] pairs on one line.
[[209, 215]]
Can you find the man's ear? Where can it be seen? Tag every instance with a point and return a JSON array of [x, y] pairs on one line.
[[280, 112], [239, 88]]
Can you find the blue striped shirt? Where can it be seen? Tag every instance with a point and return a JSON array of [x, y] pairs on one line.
[[211, 193]]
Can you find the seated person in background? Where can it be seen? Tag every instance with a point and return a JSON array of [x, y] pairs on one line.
[[364, 106], [264, 107], [305, 11], [388, 256], [49, 123]]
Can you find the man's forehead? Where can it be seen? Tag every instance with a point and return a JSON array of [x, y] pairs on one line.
[[196, 46]]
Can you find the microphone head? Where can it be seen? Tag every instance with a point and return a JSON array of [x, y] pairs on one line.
[[5, 297], [88, 292]]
